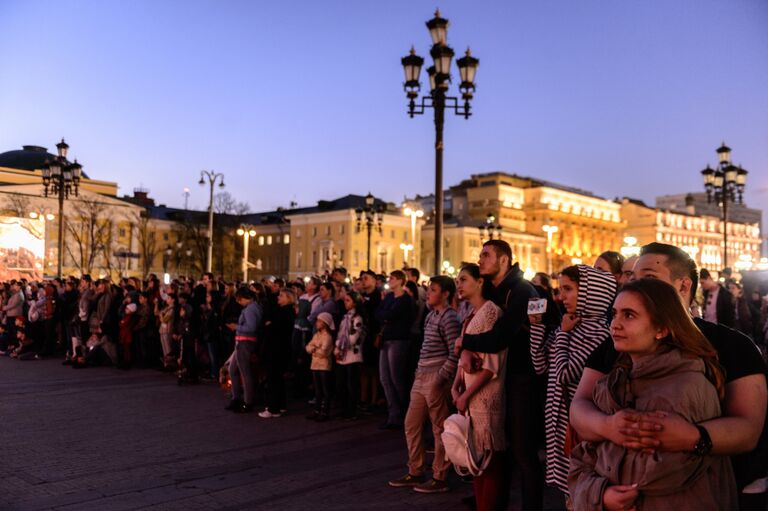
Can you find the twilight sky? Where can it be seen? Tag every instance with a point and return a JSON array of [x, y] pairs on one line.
[[302, 100]]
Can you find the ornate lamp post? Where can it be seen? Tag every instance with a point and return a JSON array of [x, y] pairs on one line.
[[62, 179], [247, 232], [212, 177], [414, 214], [550, 230], [166, 257], [371, 218], [725, 184], [439, 79], [489, 228]]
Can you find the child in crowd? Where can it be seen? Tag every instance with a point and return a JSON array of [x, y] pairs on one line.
[[321, 348], [349, 352]]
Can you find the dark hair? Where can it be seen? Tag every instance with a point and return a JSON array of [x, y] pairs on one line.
[[614, 259], [244, 293], [705, 274], [663, 303], [413, 272], [368, 272], [678, 261], [413, 288], [340, 269], [329, 287], [572, 272], [399, 275], [501, 248], [445, 283], [546, 281], [474, 272]]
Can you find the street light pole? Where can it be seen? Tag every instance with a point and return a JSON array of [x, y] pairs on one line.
[[550, 230], [212, 177], [414, 214], [723, 185], [438, 100], [372, 218], [406, 247], [61, 178], [247, 232]]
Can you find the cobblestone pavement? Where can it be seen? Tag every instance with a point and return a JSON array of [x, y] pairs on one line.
[[103, 439]]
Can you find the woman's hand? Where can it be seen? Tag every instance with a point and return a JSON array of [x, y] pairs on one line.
[[569, 322], [462, 403], [620, 497]]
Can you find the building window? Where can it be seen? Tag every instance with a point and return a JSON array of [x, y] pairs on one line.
[[286, 239], [298, 259], [261, 241], [314, 259], [269, 240], [314, 232], [122, 232], [341, 229], [165, 236], [298, 233], [327, 230], [357, 258], [405, 235], [341, 256], [392, 234]]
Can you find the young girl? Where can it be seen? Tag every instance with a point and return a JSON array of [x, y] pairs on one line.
[[167, 316], [587, 294], [349, 352], [665, 364], [479, 390], [320, 348]]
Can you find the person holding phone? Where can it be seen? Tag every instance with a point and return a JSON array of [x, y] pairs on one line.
[[560, 354]]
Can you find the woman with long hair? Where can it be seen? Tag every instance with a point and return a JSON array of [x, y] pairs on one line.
[[478, 389], [560, 355], [665, 364]]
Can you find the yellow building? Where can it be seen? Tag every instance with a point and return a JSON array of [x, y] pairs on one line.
[[581, 225], [699, 235], [327, 235]]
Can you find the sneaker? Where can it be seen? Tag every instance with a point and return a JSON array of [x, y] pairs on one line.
[[407, 481], [266, 414], [432, 486]]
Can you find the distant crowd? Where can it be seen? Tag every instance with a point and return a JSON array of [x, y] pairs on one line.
[[642, 380]]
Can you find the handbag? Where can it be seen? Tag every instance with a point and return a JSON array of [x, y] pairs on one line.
[[459, 446]]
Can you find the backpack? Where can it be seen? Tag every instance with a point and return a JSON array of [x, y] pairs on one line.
[[459, 446]]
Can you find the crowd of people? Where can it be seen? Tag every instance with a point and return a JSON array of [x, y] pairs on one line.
[[641, 395]]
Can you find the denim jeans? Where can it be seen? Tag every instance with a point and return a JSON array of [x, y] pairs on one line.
[[393, 362], [240, 366]]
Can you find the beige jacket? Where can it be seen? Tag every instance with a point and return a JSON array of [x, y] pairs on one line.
[[669, 382], [321, 348]]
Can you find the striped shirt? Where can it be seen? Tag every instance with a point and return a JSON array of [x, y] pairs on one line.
[[441, 329]]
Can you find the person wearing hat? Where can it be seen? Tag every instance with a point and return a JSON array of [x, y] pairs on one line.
[[320, 349]]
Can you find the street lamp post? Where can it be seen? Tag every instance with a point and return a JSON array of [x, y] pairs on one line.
[[414, 214], [489, 229], [725, 184], [166, 257], [247, 232], [371, 218], [61, 178], [212, 177], [406, 247], [550, 230], [439, 78]]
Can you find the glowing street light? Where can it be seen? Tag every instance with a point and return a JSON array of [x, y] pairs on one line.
[[247, 232], [550, 230], [406, 248], [630, 247], [414, 214]]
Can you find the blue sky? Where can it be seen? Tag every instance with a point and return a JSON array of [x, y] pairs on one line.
[[303, 100]]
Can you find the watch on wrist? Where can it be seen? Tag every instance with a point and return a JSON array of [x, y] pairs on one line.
[[704, 445]]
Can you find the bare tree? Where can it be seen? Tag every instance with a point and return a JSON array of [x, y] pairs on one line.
[[17, 204], [225, 204], [225, 239], [89, 230], [147, 241]]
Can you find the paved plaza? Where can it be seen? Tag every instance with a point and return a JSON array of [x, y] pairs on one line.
[[103, 439]]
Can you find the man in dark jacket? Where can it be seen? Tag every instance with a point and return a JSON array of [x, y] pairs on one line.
[[718, 307], [511, 292]]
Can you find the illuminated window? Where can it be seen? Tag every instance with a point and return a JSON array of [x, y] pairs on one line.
[[261, 240], [269, 240], [286, 239]]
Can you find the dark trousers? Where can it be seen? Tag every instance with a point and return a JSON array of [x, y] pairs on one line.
[[322, 383], [300, 361], [524, 423], [189, 357], [348, 385], [276, 395], [492, 486]]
